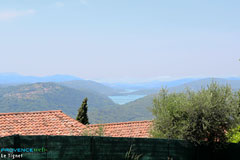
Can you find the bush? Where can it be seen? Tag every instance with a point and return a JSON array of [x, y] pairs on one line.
[[99, 131]]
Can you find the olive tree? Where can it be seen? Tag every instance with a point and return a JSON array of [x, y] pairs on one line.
[[202, 117]]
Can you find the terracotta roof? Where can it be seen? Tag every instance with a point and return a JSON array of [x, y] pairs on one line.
[[39, 123], [124, 129]]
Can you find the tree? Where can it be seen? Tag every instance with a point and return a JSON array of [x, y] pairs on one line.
[[169, 111], [82, 113], [234, 134], [201, 117]]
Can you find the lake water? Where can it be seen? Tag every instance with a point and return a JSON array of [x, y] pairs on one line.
[[125, 99]]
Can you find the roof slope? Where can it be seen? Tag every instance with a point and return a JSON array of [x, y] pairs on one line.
[[138, 129], [39, 123]]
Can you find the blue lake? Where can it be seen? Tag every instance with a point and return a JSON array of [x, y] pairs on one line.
[[125, 99]]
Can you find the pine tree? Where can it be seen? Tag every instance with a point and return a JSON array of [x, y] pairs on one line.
[[82, 113]]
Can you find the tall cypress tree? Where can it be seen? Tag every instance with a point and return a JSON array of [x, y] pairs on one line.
[[82, 113]]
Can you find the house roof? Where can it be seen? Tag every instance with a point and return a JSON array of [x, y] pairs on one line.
[[138, 129], [39, 123], [58, 123]]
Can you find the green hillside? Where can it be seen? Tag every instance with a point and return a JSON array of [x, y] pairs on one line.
[[87, 85], [52, 96], [48, 96], [132, 111]]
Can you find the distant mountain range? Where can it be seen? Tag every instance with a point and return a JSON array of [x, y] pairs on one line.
[[67, 92], [87, 85], [110, 88], [150, 85], [159, 84], [198, 84], [177, 85]]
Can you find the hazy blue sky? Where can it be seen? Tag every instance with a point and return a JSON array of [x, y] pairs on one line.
[[120, 39]]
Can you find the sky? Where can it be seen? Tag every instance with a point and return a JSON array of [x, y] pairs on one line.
[[120, 40]]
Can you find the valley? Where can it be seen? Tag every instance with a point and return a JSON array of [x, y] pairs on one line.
[[106, 103]]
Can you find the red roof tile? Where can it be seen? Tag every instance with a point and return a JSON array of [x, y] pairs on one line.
[[124, 129], [39, 123]]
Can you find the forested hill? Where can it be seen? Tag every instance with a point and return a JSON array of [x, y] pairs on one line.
[[87, 85], [48, 96]]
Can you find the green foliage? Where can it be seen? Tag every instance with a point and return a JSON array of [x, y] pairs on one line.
[[93, 132], [169, 110], [234, 135], [131, 155], [201, 117], [82, 116]]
